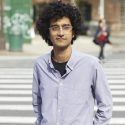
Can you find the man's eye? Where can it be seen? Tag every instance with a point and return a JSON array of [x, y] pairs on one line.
[[55, 28], [66, 27]]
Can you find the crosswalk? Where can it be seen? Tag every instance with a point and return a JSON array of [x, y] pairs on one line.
[[115, 71], [16, 101], [15, 96]]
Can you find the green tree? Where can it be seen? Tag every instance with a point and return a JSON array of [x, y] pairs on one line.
[[2, 42]]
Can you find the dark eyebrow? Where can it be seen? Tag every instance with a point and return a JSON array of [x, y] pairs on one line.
[[58, 25], [54, 25], [66, 25]]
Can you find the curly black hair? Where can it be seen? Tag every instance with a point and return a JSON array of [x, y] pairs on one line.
[[57, 10]]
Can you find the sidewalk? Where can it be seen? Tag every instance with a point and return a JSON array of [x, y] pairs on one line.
[[83, 44]]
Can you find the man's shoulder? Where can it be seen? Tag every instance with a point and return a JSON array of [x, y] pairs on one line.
[[42, 59], [87, 57], [90, 60]]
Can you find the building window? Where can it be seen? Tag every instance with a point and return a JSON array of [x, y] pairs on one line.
[[123, 14]]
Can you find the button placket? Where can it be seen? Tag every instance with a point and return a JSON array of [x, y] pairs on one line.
[[59, 101]]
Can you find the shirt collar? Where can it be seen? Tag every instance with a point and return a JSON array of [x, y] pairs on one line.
[[71, 63], [49, 59]]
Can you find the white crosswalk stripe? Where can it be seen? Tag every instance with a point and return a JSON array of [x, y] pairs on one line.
[[115, 71], [16, 94]]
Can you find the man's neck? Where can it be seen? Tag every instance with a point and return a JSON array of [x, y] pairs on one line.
[[61, 56]]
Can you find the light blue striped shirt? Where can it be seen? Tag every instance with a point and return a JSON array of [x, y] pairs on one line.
[[70, 99]]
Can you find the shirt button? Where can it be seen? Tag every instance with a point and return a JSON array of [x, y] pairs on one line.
[[59, 97], [59, 110], [61, 84], [57, 123]]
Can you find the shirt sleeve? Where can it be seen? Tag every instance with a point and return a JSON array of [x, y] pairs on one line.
[[36, 96], [103, 98]]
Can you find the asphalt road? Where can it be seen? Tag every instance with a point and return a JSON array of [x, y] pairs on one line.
[[15, 89]]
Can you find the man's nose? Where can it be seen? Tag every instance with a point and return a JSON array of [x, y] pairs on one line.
[[60, 32]]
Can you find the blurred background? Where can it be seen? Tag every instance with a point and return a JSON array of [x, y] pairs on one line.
[[20, 45], [18, 18]]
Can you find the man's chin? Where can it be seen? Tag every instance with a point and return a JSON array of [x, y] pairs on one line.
[[62, 47]]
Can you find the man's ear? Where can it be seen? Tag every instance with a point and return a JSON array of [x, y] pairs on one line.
[[73, 34]]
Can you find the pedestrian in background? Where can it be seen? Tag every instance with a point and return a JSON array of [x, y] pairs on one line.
[[67, 83], [102, 37]]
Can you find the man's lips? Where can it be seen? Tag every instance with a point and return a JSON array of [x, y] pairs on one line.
[[60, 38]]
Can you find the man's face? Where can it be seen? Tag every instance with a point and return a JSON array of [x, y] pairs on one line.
[[61, 32]]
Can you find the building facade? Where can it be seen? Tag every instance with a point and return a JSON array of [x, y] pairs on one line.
[[114, 11]]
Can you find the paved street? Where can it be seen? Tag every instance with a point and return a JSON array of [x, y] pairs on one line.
[[114, 68], [16, 79], [15, 89]]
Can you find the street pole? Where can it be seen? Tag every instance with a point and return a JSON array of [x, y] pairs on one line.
[[101, 9], [73, 2], [2, 42]]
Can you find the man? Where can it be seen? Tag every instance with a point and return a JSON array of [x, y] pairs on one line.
[[66, 83]]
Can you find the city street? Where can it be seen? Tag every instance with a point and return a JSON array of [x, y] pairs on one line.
[[16, 83], [20, 46]]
